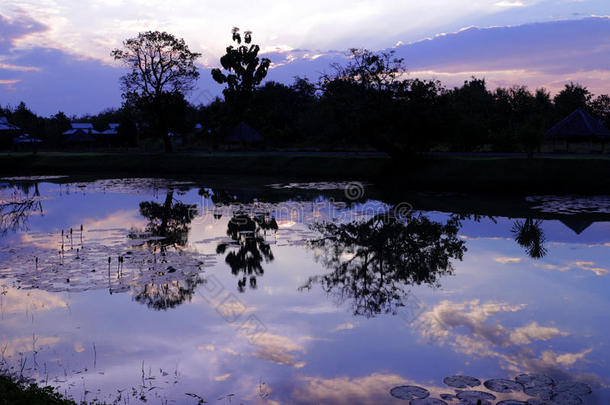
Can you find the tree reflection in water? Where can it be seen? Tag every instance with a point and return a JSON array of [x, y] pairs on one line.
[[170, 221], [169, 224], [168, 295], [248, 247], [18, 206], [529, 235], [373, 261]]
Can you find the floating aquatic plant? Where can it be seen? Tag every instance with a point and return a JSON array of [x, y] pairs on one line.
[[409, 392]]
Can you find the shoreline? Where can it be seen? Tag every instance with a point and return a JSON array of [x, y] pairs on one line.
[[462, 173]]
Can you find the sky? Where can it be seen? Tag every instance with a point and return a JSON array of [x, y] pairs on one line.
[[55, 54]]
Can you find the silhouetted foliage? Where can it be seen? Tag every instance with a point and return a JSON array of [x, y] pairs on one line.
[[162, 70], [15, 211], [529, 235], [168, 295], [244, 70], [248, 248], [374, 261], [573, 96], [170, 220], [366, 104]]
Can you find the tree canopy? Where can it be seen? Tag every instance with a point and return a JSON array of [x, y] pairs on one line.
[[162, 68], [244, 70]]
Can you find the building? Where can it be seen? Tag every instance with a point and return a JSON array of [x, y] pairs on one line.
[[113, 129], [245, 135], [579, 132], [80, 134], [8, 131]]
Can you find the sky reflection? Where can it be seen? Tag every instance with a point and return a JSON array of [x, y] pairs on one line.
[[497, 314]]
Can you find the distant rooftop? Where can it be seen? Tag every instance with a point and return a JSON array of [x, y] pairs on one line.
[[7, 126], [82, 125], [578, 125]]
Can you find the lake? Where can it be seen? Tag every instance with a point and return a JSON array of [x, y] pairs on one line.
[[238, 290]]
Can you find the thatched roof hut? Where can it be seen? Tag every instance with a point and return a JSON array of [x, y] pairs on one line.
[[244, 134], [579, 126]]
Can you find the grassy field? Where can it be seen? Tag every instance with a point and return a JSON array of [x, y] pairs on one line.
[[561, 174]]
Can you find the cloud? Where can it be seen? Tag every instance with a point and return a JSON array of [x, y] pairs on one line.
[[566, 359], [547, 54], [579, 264], [526, 334], [278, 349], [16, 28], [222, 377], [16, 302], [466, 328], [344, 326], [371, 389], [506, 260]]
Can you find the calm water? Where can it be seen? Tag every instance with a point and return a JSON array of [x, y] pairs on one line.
[[158, 291]]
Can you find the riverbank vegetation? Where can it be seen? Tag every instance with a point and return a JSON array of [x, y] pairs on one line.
[[368, 103]]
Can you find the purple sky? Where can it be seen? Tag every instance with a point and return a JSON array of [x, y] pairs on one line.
[[55, 55]]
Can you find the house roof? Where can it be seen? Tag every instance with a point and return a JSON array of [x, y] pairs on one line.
[[579, 124], [243, 133], [7, 126], [81, 130], [82, 125]]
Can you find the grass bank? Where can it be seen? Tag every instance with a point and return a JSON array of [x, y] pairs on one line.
[[291, 164], [507, 174], [14, 392]]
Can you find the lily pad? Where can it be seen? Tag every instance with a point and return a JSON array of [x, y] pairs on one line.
[[573, 387], [503, 385], [536, 401], [532, 380], [511, 402], [566, 398], [472, 397], [462, 381], [448, 397], [427, 401], [544, 392], [409, 392]]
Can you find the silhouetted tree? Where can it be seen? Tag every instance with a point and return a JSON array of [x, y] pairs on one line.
[[162, 69], [15, 211], [170, 220], [530, 236], [244, 70], [373, 261], [600, 107], [249, 247], [573, 96], [169, 295]]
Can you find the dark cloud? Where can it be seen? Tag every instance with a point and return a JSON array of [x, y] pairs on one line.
[[62, 82], [553, 47], [12, 29]]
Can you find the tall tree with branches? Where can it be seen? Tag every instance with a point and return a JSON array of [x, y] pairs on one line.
[[162, 69]]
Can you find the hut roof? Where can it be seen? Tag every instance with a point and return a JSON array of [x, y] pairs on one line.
[[243, 133], [7, 126], [576, 224], [579, 124], [82, 125]]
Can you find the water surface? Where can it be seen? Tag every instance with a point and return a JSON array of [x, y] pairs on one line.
[[256, 291]]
